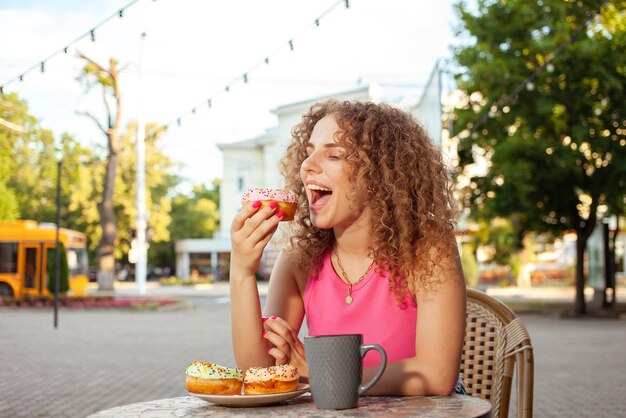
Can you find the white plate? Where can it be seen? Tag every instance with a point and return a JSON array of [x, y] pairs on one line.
[[252, 400]]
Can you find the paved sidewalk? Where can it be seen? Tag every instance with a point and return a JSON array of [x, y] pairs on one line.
[[104, 358], [507, 294]]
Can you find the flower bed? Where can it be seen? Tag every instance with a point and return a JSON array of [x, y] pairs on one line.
[[191, 281], [87, 302]]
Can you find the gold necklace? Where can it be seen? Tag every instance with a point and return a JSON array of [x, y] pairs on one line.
[[345, 276]]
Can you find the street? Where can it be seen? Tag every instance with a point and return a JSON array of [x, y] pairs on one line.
[[98, 359]]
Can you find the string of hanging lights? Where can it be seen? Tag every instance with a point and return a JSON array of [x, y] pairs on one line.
[[245, 77], [91, 33]]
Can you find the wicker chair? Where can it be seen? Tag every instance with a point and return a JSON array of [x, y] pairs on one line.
[[497, 343]]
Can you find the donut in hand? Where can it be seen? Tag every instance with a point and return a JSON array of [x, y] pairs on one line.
[[287, 201], [207, 378]]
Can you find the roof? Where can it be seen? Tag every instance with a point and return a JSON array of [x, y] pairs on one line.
[[305, 104], [256, 142]]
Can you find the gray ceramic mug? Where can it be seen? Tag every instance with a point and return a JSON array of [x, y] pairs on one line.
[[335, 365]]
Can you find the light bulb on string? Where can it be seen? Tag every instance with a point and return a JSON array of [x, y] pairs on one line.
[[245, 76], [550, 67], [91, 33], [43, 66], [530, 86]]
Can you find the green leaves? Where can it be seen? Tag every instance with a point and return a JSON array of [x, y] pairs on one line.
[[559, 141], [64, 271], [28, 173]]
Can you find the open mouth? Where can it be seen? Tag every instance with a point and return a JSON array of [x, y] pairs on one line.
[[319, 194]]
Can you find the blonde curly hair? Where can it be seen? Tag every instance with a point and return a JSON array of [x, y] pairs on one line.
[[413, 210]]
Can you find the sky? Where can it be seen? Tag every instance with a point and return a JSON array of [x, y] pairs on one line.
[[193, 49]]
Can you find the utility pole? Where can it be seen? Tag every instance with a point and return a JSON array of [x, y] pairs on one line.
[[57, 250], [142, 218]]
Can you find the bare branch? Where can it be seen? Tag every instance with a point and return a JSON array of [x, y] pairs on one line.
[[118, 97], [92, 117], [107, 106], [89, 60]]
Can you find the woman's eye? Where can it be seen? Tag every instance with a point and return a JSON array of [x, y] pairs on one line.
[[334, 157]]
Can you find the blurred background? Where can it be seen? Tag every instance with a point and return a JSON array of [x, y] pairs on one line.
[[150, 118]]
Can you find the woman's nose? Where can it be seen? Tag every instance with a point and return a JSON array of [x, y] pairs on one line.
[[310, 164]]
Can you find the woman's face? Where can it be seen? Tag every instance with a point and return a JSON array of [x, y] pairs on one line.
[[326, 180]]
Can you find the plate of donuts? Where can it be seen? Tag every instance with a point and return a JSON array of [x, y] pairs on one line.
[[252, 400], [232, 387]]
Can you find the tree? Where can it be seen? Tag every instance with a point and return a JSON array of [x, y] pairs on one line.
[[64, 271], [12, 116], [28, 178], [80, 188], [28, 171], [555, 149], [159, 185], [93, 74], [22, 142], [195, 216]]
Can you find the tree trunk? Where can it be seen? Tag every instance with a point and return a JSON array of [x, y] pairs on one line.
[[580, 308], [610, 268], [107, 79], [106, 248], [583, 228]]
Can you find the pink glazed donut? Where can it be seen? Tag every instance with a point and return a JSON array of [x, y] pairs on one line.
[[287, 201]]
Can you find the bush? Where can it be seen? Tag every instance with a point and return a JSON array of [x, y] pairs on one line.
[[192, 280], [87, 302], [64, 284], [470, 266]]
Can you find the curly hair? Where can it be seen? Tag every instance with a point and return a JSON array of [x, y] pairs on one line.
[[413, 210]]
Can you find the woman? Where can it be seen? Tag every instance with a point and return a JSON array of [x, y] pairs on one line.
[[372, 251]]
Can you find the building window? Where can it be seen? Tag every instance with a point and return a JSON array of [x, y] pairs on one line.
[[200, 264]]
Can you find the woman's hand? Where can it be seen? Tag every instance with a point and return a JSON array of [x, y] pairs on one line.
[[287, 347], [250, 232]]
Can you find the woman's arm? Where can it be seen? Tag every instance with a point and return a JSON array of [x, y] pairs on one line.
[[250, 232], [438, 342], [284, 309]]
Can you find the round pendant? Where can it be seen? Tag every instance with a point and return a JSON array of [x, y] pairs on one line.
[[348, 299]]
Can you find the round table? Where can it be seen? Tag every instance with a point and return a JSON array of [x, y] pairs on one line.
[[458, 406]]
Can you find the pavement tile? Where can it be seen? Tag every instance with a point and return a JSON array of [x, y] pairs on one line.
[[99, 359]]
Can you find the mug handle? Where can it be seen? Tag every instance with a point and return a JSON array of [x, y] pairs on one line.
[[383, 363]]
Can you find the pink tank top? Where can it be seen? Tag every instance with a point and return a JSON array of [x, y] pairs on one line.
[[375, 312]]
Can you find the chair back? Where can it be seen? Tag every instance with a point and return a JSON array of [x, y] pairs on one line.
[[497, 344]]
